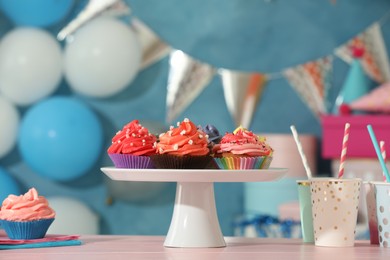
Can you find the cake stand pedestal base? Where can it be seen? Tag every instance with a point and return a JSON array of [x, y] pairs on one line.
[[194, 222]]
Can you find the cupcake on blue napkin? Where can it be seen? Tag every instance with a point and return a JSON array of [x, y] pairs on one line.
[[27, 216]]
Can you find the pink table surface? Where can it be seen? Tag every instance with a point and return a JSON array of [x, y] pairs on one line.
[[151, 247]]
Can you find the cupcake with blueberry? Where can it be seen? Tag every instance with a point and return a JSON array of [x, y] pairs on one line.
[[212, 132], [214, 138]]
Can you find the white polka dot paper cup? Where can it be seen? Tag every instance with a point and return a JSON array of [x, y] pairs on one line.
[[382, 193], [335, 204], [369, 189]]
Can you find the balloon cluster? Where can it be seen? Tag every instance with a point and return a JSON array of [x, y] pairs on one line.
[[59, 137]]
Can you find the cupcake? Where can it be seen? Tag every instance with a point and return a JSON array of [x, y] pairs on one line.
[[212, 132], [132, 146], [243, 150], [26, 216], [214, 138], [184, 147]]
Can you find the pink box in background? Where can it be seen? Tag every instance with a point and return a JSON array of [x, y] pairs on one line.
[[359, 143]]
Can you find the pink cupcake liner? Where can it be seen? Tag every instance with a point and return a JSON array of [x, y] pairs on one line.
[[242, 163], [131, 161]]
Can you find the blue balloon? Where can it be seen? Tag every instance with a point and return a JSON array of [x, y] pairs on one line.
[[40, 13], [7, 185], [60, 138]]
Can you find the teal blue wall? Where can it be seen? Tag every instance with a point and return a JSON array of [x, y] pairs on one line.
[[247, 35]]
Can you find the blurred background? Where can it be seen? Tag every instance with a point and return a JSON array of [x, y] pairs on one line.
[[264, 64]]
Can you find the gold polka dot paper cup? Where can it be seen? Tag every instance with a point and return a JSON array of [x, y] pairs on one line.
[[382, 192], [335, 204]]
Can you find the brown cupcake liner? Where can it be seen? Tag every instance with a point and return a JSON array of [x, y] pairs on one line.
[[166, 161]]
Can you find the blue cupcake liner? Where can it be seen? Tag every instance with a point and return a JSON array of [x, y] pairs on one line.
[[26, 229]]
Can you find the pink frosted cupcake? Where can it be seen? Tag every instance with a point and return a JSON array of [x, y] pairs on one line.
[[242, 150], [132, 146], [27, 216]]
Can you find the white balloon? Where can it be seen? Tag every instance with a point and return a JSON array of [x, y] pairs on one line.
[[72, 217], [103, 58], [30, 65], [9, 122]]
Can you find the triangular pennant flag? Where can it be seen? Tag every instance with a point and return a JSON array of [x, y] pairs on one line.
[[241, 91], [253, 94], [312, 82], [374, 60], [153, 49], [186, 80]]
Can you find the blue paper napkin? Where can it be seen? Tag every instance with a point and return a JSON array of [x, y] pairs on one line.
[[43, 244]]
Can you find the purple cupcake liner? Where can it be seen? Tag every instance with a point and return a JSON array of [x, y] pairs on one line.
[[26, 229], [131, 161], [242, 163]]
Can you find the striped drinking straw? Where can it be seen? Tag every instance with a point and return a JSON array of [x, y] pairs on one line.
[[343, 156]]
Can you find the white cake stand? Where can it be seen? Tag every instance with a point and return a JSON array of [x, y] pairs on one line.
[[194, 222]]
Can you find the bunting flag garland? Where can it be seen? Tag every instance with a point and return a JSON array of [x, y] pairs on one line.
[[186, 80], [242, 90], [375, 60], [312, 81]]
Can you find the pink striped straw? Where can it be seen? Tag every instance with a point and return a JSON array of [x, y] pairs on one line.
[[343, 156], [383, 152]]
